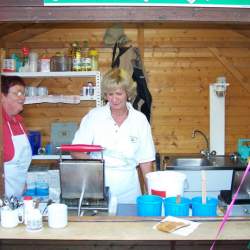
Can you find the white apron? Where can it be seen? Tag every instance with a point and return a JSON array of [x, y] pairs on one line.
[[15, 170], [121, 177]]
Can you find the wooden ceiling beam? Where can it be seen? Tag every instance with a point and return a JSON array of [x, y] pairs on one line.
[[170, 44], [133, 14], [7, 28], [22, 35]]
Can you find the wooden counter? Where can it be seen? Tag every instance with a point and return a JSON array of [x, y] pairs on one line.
[[128, 231]]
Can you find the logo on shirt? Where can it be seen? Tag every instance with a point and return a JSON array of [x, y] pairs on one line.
[[133, 139]]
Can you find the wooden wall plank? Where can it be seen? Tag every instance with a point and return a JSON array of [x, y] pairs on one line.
[[180, 70]]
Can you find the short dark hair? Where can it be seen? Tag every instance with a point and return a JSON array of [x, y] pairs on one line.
[[9, 81]]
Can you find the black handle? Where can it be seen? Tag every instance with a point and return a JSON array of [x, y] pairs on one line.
[[158, 161]]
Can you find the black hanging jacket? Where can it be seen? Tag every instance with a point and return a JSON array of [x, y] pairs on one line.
[[129, 59]]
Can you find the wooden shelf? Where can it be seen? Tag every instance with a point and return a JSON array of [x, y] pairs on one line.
[[50, 157], [53, 74], [70, 99], [59, 98]]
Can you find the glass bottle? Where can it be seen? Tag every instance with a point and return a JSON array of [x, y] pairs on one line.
[[76, 57]]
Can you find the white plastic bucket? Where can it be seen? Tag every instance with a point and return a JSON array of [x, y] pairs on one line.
[[166, 183]]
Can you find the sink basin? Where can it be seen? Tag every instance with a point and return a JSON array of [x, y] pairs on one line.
[[191, 162]]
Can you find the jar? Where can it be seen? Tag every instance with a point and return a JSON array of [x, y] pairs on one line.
[[45, 64], [60, 62], [93, 54]]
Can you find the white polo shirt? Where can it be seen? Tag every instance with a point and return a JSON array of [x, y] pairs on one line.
[[124, 147]]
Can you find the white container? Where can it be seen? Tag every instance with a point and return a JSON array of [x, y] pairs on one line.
[[57, 215], [33, 61], [45, 64], [166, 183], [28, 205], [9, 65], [10, 218]]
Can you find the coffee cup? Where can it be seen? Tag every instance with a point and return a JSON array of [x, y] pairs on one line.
[[57, 215], [42, 91], [10, 218], [31, 91]]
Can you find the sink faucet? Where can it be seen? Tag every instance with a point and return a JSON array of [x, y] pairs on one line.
[[205, 152]]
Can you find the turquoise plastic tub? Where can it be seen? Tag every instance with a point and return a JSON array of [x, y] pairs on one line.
[[208, 209], [149, 205], [176, 209]]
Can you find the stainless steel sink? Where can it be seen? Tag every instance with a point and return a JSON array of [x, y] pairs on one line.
[[191, 162]]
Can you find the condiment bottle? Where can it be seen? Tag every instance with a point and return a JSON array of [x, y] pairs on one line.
[[91, 90], [76, 57], [26, 52], [94, 59], [27, 207], [85, 61]]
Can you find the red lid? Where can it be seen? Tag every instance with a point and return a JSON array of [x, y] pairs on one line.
[[25, 51], [27, 198]]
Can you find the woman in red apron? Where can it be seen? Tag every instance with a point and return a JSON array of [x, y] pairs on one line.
[[17, 152]]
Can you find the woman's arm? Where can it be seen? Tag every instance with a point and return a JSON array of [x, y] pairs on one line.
[[146, 167]]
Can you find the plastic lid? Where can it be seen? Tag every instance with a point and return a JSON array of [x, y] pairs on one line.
[[25, 51], [27, 198]]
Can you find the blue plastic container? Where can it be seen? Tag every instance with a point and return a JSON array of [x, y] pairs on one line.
[[42, 189], [35, 141], [30, 192], [176, 209], [208, 209], [149, 205]]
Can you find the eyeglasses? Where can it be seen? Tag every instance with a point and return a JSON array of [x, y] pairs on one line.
[[18, 94]]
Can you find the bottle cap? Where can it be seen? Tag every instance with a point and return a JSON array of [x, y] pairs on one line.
[[27, 198], [25, 51], [93, 52]]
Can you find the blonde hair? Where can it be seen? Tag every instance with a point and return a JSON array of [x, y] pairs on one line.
[[118, 78]]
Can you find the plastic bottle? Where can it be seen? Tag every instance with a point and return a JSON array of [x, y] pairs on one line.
[[27, 207], [26, 52], [85, 61], [33, 61], [17, 60], [93, 54], [76, 57], [91, 90]]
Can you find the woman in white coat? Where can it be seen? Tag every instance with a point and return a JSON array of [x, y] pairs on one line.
[[123, 132], [17, 152]]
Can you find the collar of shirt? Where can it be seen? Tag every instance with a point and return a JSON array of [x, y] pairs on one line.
[[108, 110], [11, 119]]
